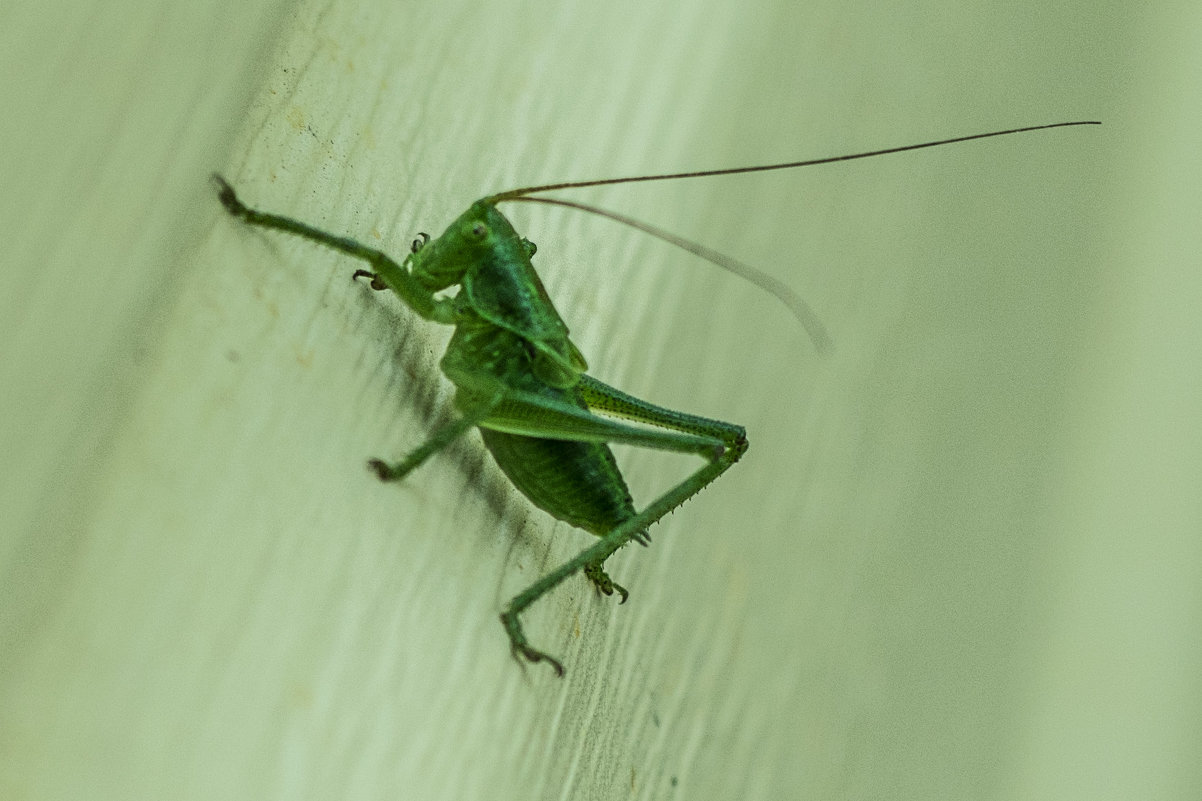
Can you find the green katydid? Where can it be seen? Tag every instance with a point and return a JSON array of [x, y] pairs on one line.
[[519, 379]]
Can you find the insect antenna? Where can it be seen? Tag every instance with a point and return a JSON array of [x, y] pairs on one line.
[[511, 194], [778, 289], [804, 314]]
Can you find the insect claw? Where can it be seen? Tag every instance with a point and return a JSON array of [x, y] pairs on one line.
[[227, 196], [521, 652], [518, 646], [376, 283], [539, 656]]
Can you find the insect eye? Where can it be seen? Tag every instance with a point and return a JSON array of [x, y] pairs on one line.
[[418, 244], [479, 230]]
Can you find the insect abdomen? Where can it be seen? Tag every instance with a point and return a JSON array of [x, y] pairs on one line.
[[577, 482]]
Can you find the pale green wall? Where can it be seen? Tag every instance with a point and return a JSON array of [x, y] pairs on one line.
[[960, 561]]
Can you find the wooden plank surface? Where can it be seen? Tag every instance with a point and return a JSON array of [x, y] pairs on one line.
[[206, 595]]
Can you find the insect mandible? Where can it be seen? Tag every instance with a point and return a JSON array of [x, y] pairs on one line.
[[519, 379]]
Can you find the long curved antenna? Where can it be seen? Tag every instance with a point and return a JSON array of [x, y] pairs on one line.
[[798, 307], [512, 194], [778, 289]]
